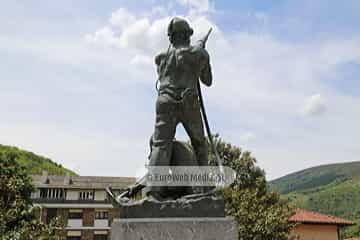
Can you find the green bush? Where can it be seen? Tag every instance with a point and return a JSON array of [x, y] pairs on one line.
[[18, 218]]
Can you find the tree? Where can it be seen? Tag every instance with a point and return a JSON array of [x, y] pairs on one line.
[[18, 217], [352, 232], [260, 214]]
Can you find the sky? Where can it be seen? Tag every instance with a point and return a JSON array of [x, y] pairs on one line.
[[77, 79]]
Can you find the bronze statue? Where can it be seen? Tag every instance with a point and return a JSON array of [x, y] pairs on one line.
[[180, 69]]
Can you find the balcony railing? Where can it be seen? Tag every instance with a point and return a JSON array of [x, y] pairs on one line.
[[101, 223], [75, 223], [47, 200]]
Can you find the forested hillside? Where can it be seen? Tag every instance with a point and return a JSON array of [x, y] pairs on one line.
[[35, 164], [331, 189]]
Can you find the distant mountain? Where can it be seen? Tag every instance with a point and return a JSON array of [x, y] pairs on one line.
[[316, 177], [35, 164], [331, 189]]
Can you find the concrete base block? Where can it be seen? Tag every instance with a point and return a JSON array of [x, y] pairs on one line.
[[174, 229]]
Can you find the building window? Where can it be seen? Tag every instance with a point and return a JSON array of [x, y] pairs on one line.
[[75, 214], [101, 237], [51, 213], [35, 194], [86, 195], [73, 235], [101, 215], [52, 193], [73, 238]]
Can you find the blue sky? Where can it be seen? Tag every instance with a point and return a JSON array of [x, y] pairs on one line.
[[77, 82]]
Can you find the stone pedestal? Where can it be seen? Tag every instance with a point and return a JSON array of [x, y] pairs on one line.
[[174, 229]]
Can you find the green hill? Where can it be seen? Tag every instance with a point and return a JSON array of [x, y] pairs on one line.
[[317, 177], [35, 164], [331, 189]]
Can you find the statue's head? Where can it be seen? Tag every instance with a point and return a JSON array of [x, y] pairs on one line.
[[179, 31]]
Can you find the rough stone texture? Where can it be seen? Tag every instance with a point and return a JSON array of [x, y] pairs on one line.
[[174, 229], [88, 217], [209, 206]]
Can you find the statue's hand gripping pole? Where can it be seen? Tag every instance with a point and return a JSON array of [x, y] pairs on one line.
[[203, 111], [205, 38]]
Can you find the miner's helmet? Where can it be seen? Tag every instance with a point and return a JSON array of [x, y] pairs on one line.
[[179, 25]]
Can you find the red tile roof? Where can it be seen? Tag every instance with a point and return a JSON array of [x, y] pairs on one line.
[[304, 216]]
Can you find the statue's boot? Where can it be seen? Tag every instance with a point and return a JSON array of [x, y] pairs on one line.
[[160, 157]]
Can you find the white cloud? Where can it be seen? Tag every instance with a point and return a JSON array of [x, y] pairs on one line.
[[144, 36], [135, 34], [199, 5], [159, 11], [104, 36], [140, 35], [314, 105], [122, 18]]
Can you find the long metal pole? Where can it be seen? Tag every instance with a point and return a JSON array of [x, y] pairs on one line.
[[207, 127]]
